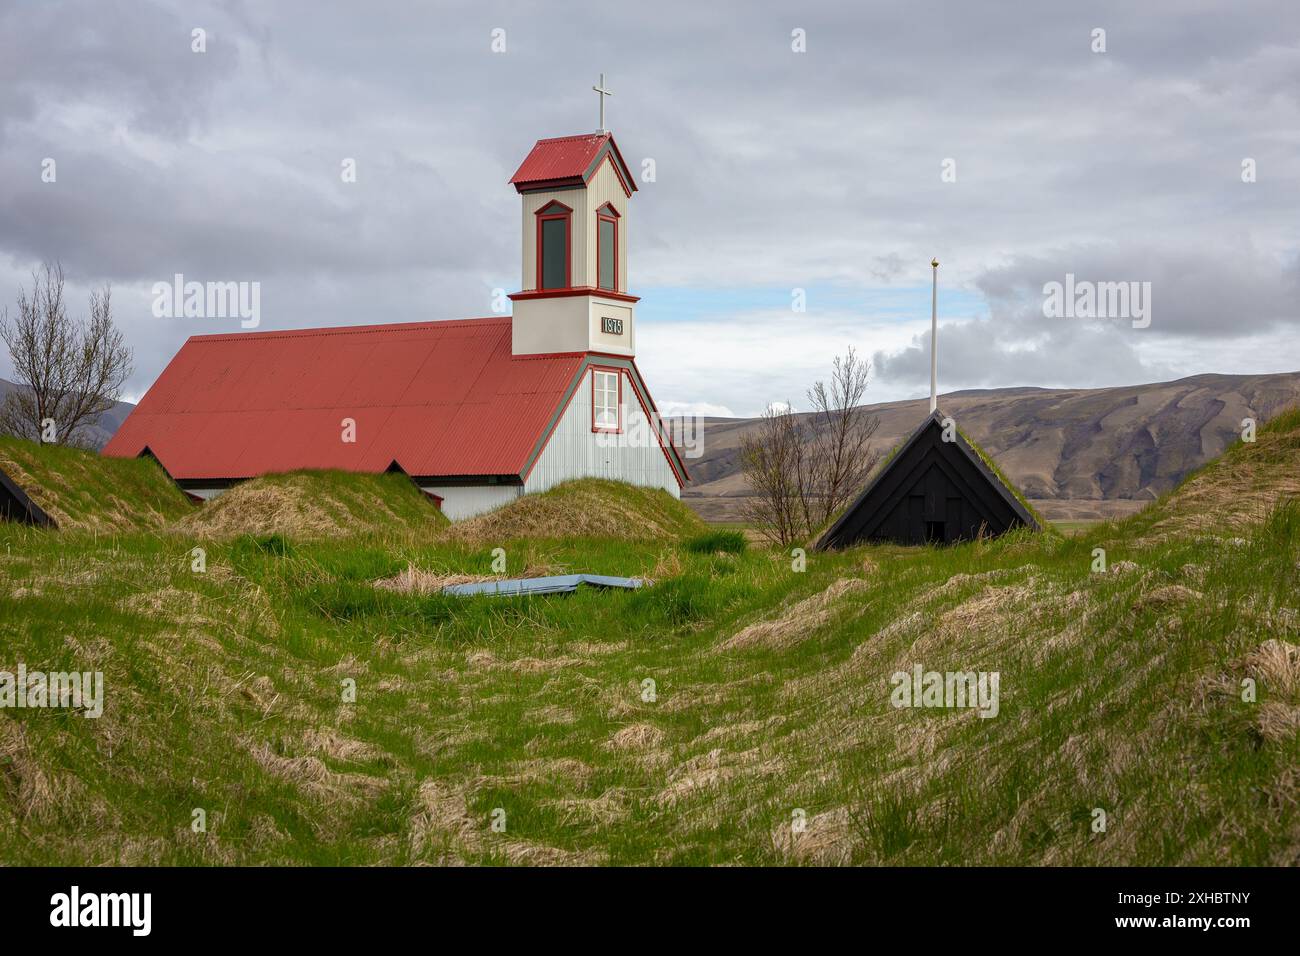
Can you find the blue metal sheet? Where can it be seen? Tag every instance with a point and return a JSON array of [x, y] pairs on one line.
[[559, 584]]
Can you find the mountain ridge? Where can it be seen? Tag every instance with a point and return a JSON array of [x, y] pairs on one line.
[[1074, 452]]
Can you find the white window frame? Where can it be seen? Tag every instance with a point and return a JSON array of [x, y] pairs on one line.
[[606, 385]]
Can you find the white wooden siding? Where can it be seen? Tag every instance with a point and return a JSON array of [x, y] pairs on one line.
[[605, 188], [574, 450]]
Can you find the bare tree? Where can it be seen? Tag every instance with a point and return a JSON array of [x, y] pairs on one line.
[[802, 470], [771, 459], [69, 371], [839, 454]]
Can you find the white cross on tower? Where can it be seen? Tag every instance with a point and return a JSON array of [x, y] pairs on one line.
[[600, 88]]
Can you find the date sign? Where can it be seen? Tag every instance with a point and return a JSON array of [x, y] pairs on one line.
[[611, 326]]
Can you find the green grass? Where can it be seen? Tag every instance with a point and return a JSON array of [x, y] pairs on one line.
[[711, 542], [615, 727]]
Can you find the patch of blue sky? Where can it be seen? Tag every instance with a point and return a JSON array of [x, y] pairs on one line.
[[886, 303]]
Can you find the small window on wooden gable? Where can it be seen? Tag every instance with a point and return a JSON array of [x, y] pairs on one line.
[[553, 224], [605, 393]]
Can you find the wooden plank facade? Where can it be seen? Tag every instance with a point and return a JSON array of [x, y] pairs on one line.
[[931, 492]]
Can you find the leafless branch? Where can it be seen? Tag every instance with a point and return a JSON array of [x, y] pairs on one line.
[[802, 470], [69, 372]]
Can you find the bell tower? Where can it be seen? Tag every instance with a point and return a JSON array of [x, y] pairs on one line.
[[575, 192]]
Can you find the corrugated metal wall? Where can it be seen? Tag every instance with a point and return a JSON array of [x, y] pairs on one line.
[[466, 501], [574, 451]]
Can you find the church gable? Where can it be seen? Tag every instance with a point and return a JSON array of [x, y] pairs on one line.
[[932, 491], [607, 428]]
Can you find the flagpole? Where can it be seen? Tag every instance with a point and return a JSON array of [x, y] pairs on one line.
[[934, 337]]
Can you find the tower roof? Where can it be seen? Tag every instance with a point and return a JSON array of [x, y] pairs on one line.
[[570, 161]]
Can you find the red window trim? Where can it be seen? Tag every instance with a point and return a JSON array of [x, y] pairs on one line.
[[618, 373], [543, 214], [607, 213]]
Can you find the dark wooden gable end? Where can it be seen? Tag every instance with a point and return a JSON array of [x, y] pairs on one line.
[[16, 506], [931, 491]]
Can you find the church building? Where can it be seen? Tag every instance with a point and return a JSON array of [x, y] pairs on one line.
[[476, 411]]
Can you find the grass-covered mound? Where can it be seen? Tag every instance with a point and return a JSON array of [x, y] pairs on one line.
[[317, 504], [84, 491], [689, 722], [1229, 494], [588, 508]]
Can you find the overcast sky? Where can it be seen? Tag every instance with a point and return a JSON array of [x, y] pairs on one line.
[[776, 170]]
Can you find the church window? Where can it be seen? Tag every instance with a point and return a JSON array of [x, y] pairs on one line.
[[553, 222], [605, 389], [607, 248]]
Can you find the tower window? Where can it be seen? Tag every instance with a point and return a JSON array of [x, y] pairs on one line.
[[607, 247], [553, 221], [605, 388]]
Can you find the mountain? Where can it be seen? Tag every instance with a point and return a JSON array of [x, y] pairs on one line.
[[1075, 453], [101, 431]]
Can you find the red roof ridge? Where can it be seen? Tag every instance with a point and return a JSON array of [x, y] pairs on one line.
[[347, 329], [561, 139]]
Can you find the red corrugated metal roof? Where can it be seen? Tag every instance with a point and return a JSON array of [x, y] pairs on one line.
[[440, 398], [568, 160]]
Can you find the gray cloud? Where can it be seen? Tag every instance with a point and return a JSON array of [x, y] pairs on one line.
[[774, 168]]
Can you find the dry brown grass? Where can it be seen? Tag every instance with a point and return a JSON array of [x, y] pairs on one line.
[[799, 622], [419, 581], [637, 737], [1171, 595], [314, 505], [24, 785], [1276, 666], [311, 775], [827, 839], [253, 508], [583, 509]]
